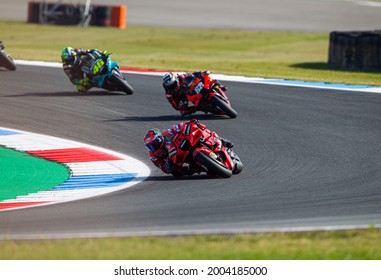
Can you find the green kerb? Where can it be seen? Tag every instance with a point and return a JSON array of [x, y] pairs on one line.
[[22, 174]]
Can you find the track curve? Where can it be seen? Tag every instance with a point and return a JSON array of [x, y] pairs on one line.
[[311, 156]]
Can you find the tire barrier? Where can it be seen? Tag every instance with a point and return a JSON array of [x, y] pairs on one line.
[[77, 14], [355, 50]]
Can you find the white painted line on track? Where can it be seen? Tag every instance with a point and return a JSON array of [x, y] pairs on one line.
[[242, 79]]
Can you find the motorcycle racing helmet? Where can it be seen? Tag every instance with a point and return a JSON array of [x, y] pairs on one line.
[[170, 81], [154, 141], [69, 56]]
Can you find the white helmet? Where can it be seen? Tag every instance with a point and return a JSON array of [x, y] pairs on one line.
[[170, 81]]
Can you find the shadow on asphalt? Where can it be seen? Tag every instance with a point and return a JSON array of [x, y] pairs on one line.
[[166, 177], [68, 93], [169, 118]]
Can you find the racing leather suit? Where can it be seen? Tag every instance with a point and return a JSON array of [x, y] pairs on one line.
[[75, 71], [164, 161], [177, 97]]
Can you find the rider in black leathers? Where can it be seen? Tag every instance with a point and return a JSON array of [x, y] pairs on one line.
[[175, 90], [72, 62]]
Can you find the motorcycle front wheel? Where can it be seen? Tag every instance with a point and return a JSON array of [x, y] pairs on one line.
[[213, 166], [224, 107], [238, 168], [121, 83]]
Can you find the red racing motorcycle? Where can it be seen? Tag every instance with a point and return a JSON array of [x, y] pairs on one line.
[[207, 96], [198, 146]]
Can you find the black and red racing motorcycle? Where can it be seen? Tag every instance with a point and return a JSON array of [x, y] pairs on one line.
[[198, 146], [207, 96]]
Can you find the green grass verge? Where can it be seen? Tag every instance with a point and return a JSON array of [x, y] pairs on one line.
[[257, 54], [341, 245], [288, 55], [22, 173]]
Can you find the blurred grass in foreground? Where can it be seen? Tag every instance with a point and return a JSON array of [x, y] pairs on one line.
[[325, 245], [287, 55]]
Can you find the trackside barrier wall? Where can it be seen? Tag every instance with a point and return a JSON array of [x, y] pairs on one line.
[[355, 50], [70, 14]]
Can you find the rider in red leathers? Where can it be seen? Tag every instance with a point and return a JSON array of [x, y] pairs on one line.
[[175, 90], [161, 149]]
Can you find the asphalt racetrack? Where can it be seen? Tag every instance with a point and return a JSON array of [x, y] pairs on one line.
[[311, 159]]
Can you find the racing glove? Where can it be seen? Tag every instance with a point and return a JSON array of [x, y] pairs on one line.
[[228, 144], [224, 88], [106, 53], [80, 51], [218, 84]]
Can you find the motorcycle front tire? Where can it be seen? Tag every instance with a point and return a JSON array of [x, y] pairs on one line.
[[224, 107], [238, 168], [213, 166], [121, 84], [7, 61]]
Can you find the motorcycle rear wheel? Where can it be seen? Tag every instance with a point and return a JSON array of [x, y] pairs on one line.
[[213, 166], [121, 83], [224, 107], [7, 61]]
